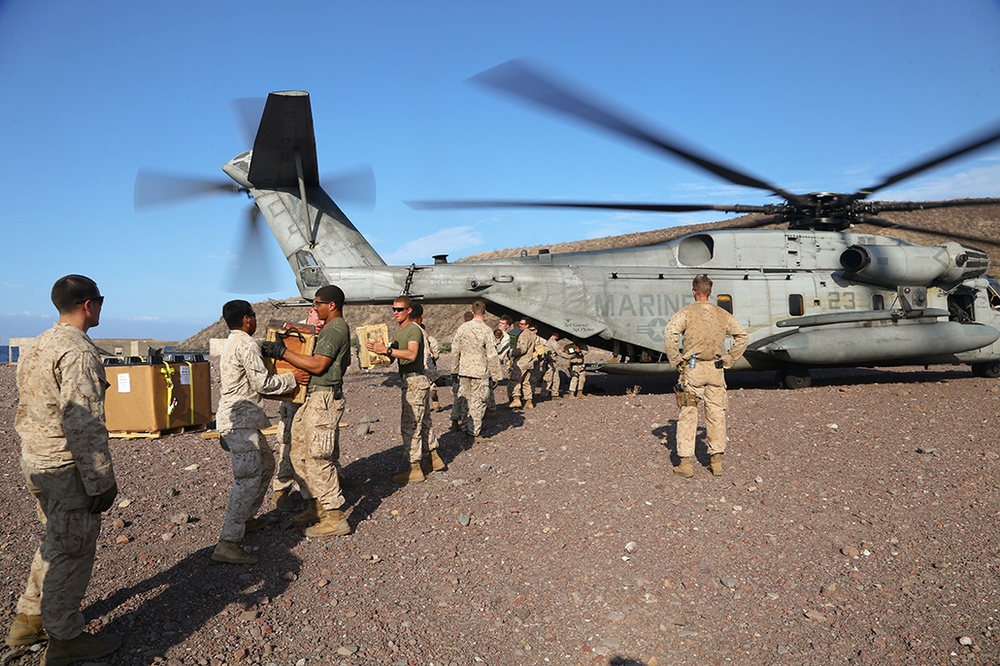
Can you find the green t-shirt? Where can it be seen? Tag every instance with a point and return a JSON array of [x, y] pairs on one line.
[[334, 341], [404, 336]]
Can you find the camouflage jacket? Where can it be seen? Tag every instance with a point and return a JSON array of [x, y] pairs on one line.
[[244, 381], [524, 353], [474, 352], [60, 412], [704, 326]]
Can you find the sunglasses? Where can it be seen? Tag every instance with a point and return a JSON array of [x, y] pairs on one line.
[[318, 303], [395, 309], [95, 299]]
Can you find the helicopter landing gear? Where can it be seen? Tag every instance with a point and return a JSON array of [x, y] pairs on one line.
[[794, 377], [988, 369]]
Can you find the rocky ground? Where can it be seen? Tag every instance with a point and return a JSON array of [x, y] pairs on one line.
[[856, 524]]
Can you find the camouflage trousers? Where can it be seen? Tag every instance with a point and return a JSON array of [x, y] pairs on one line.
[[316, 448], [523, 381], [458, 406], [284, 476], [475, 391], [577, 376], [551, 379], [415, 417], [253, 466], [709, 384], [63, 563]]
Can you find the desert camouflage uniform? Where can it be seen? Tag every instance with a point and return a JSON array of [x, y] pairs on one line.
[[428, 439], [66, 461], [475, 361], [551, 380], [522, 372], [315, 435], [415, 398], [577, 365], [240, 418], [704, 326], [284, 475]]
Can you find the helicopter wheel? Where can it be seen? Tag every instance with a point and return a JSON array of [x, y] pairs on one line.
[[794, 377], [990, 369]]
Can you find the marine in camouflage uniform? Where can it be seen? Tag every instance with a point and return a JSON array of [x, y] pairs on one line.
[[315, 450], [576, 353], [525, 365], [704, 327], [458, 405], [475, 362], [415, 402], [67, 466], [551, 379], [240, 418]]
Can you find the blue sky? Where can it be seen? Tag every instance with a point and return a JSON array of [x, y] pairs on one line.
[[809, 96]]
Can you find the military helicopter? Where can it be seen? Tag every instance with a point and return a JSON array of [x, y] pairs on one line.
[[813, 295]]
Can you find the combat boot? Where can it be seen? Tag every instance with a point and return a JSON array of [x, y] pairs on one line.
[[283, 501], [437, 464], [479, 439], [26, 630], [256, 525], [716, 464], [455, 425], [333, 524], [684, 469], [529, 404], [230, 552], [313, 513], [85, 647], [412, 475], [515, 403]]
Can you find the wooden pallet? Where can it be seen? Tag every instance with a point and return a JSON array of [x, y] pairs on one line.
[[156, 434]]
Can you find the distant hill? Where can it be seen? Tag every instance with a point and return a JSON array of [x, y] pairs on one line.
[[982, 221]]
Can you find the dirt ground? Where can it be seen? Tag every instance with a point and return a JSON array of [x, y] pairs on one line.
[[856, 523]]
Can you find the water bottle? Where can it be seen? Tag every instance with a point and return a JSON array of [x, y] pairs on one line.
[[693, 361]]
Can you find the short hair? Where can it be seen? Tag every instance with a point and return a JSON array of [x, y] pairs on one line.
[[416, 310], [526, 320], [405, 300], [234, 311], [331, 293], [478, 307], [71, 291], [467, 316], [702, 284], [507, 319]]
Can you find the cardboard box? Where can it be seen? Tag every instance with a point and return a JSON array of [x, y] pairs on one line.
[[299, 338], [372, 333], [151, 398]]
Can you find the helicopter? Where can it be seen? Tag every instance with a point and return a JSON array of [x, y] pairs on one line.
[[815, 294]]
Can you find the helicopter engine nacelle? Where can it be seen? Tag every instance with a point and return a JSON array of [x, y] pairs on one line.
[[894, 265]]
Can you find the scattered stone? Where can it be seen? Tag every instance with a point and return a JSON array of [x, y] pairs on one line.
[[117, 524], [965, 640], [191, 468], [464, 520], [122, 539], [850, 551], [832, 426], [729, 582], [363, 429], [631, 547], [347, 650], [814, 615], [180, 519], [124, 503], [167, 536], [926, 450]]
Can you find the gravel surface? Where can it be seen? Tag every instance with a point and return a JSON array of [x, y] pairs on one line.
[[856, 524]]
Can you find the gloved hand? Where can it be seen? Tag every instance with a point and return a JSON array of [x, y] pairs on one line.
[[101, 503], [719, 362], [275, 349]]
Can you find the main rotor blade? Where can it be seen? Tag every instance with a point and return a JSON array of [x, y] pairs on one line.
[[153, 189], [610, 205], [518, 78], [980, 140], [357, 186], [880, 206], [252, 274], [889, 224]]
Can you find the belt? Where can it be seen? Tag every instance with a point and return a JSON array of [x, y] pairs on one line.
[[407, 375], [337, 390]]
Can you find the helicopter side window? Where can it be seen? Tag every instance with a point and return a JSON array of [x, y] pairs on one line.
[[725, 301], [878, 302], [796, 305]]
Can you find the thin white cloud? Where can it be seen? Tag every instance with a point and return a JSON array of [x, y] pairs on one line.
[[977, 182], [27, 314], [145, 318], [453, 240]]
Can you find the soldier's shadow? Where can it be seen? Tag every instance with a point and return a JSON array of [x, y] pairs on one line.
[[667, 434], [164, 610]]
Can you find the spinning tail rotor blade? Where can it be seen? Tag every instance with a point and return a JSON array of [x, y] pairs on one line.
[[253, 274], [153, 189], [246, 113], [357, 186]]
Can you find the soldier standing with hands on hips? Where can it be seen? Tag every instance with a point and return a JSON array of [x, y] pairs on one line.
[[67, 465], [704, 326]]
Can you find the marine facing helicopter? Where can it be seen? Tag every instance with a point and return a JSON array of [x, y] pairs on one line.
[[814, 295]]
